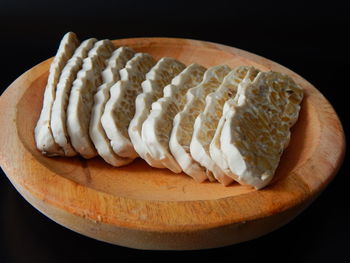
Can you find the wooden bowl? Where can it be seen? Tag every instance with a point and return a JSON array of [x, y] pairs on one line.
[[142, 207]]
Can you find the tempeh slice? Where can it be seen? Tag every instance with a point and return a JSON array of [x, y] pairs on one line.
[[120, 108], [43, 134], [182, 131], [110, 76], [59, 108], [156, 129], [257, 127], [156, 79], [82, 97], [220, 168], [206, 123]]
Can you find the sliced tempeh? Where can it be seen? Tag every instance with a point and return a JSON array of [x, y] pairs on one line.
[[206, 123], [257, 127], [182, 131], [156, 129], [110, 76], [43, 134], [102, 49], [115, 63], [223, 171], [82, 97], [58, 115], [120, 108], [156, 79], [83, 50]]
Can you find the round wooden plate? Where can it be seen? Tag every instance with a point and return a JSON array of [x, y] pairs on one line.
[[142, 207]]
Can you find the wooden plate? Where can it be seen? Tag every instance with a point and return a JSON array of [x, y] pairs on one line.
[[141, 207]]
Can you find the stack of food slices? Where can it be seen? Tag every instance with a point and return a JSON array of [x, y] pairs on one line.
[[218, 124]]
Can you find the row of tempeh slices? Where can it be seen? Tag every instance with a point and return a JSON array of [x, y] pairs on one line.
[[219, 123]]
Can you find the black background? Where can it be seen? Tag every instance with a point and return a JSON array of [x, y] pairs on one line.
[[308, 37]]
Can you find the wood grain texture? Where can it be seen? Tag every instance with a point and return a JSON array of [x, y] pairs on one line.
[[142, 207]]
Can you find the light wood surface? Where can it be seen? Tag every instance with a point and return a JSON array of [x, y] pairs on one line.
[[142, 207]]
